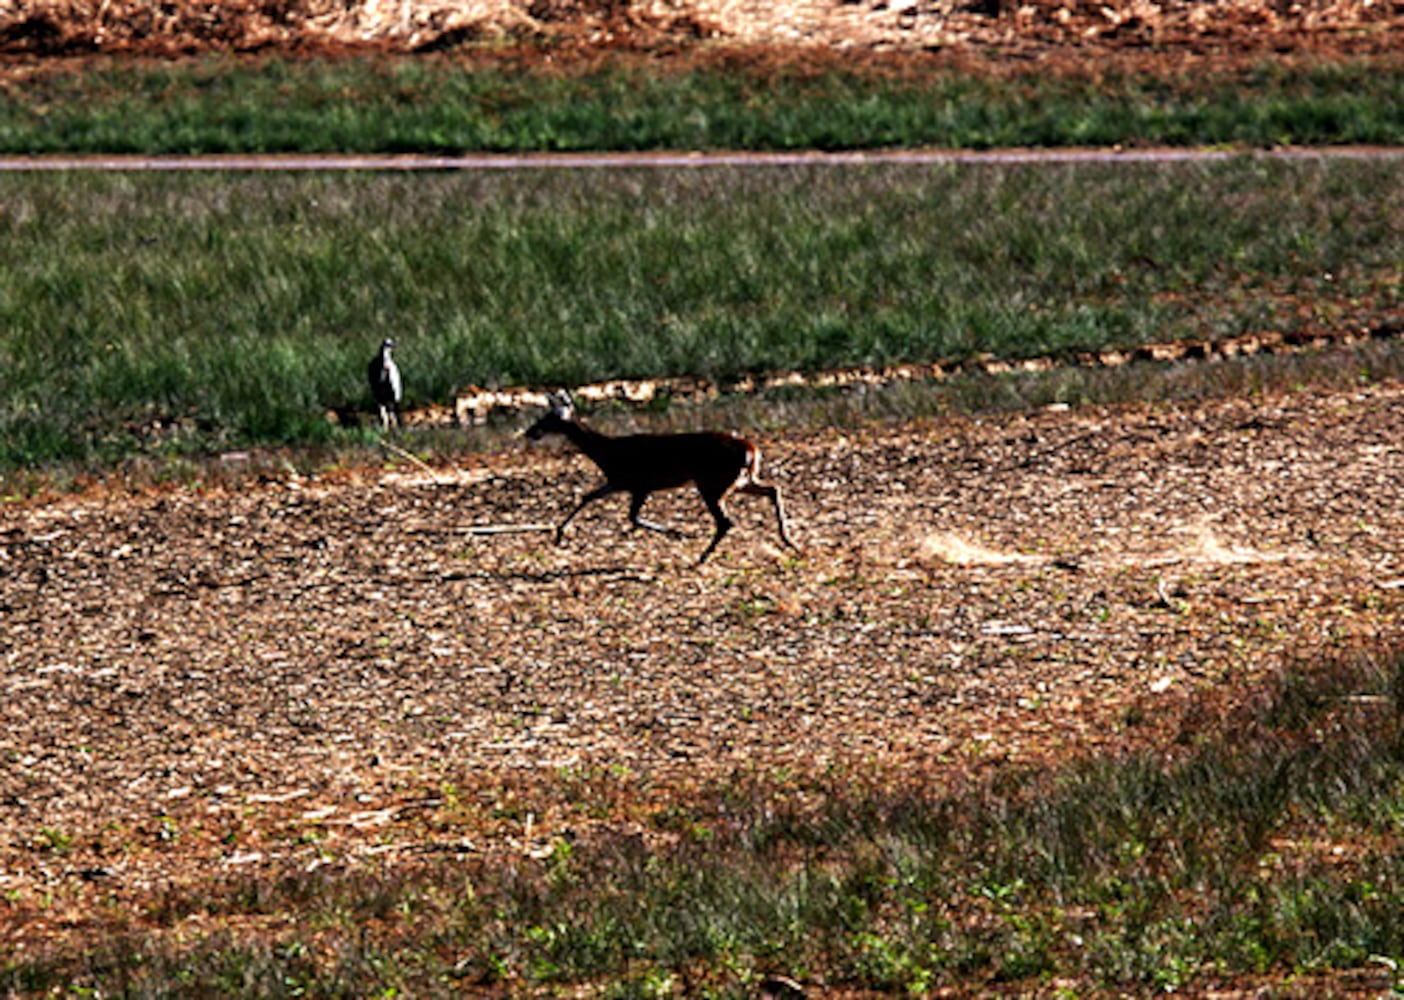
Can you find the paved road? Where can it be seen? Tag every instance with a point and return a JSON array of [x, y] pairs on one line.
[[672, 160]]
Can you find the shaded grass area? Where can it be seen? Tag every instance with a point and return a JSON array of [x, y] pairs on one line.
[[174, 316], [398, 105], [1259, 842]]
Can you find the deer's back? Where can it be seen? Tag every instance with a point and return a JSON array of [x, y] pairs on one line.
[[666, 461]]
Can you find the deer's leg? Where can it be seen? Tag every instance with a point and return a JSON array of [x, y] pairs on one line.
[[635, 505], [723, 524], [758, 489], [585, 501]]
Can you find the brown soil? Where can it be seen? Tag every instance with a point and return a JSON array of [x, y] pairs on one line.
[[987, 34], [206, 682]]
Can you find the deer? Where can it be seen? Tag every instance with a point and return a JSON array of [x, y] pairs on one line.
[[717, 463]]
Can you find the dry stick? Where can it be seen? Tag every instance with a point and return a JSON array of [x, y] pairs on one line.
[[505, 529], [416, 460], [476, 529]]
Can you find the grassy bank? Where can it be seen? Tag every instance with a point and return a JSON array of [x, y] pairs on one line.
[[387, 105], [169, 315], [1260, 845]]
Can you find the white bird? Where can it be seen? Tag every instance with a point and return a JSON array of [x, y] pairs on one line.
[[385, 385]]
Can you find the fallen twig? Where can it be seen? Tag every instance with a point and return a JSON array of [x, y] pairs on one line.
[[506, 529], [396, 449], [475, 529]]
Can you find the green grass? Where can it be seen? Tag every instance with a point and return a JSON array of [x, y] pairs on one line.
[[1262, 843], [396, 105], [183, 314]]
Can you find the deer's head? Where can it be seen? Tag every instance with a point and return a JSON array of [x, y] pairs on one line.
[[555, 419]]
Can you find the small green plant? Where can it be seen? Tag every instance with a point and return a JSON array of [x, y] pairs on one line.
[[55, 841]]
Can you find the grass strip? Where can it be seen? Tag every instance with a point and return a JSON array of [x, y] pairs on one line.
[[222, 104], [181, 315], [1259, 844]]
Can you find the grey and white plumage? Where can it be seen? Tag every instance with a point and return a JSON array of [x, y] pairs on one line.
[[385, 385]]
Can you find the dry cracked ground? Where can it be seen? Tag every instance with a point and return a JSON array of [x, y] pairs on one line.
[[200, 682]]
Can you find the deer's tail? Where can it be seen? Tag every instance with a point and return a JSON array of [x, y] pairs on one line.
[[751, 470]]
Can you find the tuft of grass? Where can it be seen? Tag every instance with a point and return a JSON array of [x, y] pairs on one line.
[[1260, 843], [169, 317]]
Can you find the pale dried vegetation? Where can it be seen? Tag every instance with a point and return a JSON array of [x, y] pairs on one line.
[[419, 25]]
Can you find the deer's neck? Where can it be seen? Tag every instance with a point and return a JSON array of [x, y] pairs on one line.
[[592, 443]]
